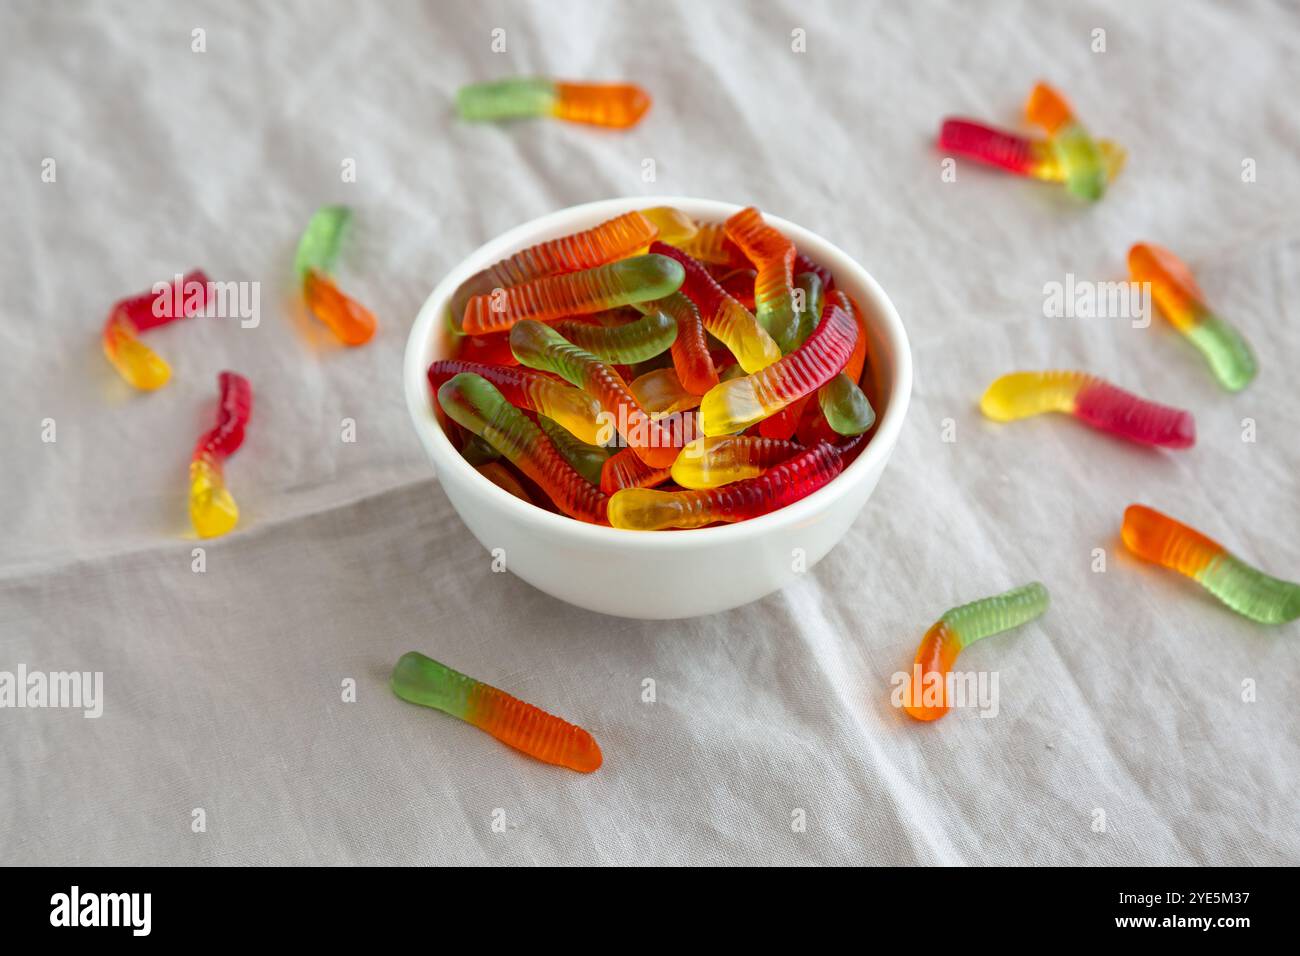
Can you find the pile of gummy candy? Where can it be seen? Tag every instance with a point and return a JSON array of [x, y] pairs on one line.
[[655, 372]]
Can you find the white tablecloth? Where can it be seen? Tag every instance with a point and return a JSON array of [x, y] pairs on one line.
[[223, 690]]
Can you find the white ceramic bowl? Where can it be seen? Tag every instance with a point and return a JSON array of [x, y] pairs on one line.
[[661, 574]]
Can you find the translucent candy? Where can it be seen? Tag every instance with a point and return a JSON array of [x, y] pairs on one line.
[[541, 347], [660, 392], [474, 403], [1250, 592], [350, 321], [422, 680], [1077, 153], [1180, 300], [845, 407], [926, 697], [809, 300], [637, 279], [500, 476], [739, 284], [1092, 400], [650, 335], [712, 462], [318, 249], [690, 351], [138, 364], [725, 318], [213, 510], [1032, 158], [626, 470], [773, 256], [618, 105], [735, 405], [608, 242], [644, 509], [571, 407], [673, 225], [587, 460], [710, 245]]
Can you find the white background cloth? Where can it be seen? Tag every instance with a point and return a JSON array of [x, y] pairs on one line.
[[223, 689]]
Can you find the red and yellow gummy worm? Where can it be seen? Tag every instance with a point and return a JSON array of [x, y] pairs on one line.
[[141, 366], [213, 510], [1090, 399]]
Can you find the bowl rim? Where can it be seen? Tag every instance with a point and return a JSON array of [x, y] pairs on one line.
[[425, 334]]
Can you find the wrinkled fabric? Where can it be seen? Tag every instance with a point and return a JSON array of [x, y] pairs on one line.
[[1139, 721]]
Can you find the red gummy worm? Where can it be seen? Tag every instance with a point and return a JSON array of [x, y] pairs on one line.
[[988, 145], [234, 407], [1113, 409], [180, 300], [739, 284], [646, 509], [690, 350], [803, 264], [625, 469]]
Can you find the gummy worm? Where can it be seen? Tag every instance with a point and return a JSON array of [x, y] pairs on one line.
[[497, 473], [644, 509], [660, 392], [350, 321], [809, 314], [648, 336], [842, 407], [474, 403], [625, 469], [213, 510], [1032, 158], [711, 245], [803, 264], [619, 105], [571, 407], [725, 318], [690, 349], [1248, 591], [711, 462], [1179, 298], [1091, 400], [611, 240], [773, 257], [737, 404], [636, 279], [541, 347], [783, 424], [673, 225], [487, 349], [739, 284], [139, 365], [926, 695], [422, 680], [474, 449], [586, 459], [1078, 154], [318, 248]]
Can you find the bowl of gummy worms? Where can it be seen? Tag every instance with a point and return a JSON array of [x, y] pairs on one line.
[[658, 407]]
